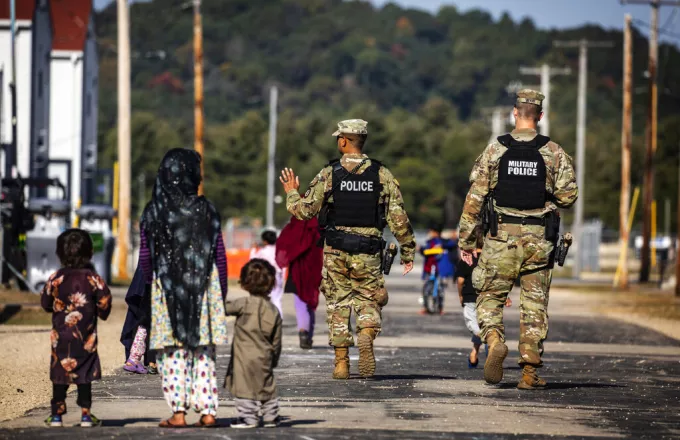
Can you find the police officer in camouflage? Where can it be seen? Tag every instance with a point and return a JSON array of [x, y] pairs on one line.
[[528, 177], [355, 198]]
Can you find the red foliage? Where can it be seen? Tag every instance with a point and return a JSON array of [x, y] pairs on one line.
[[398, 51], [169, 81]]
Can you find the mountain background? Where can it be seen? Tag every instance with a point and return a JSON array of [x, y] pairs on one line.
[[423, 81]]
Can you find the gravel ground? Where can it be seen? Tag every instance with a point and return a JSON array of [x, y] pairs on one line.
[[24, 367]]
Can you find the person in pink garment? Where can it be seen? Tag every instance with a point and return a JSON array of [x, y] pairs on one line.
[[268, 252], [296, 249]]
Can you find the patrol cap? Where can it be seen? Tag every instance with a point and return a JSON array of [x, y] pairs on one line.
[[352, 126], [528, 96]]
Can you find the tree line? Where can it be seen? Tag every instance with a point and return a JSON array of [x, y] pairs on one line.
[[423, 81]]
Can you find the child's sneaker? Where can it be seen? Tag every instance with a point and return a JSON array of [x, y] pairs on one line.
[[242, 424], [273, 423], [89, 421], [54, 422]]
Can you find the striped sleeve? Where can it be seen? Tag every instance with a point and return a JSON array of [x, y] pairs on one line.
[[145, 258], [221, 262]]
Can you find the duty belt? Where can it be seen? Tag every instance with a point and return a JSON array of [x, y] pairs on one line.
[[512, 220], [353, 243]]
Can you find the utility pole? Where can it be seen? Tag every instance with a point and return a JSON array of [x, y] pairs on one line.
[[497, 123], [626, 141], [123, 139], [271, 171], [546, 72], [499, 116], [11, 152], [651, 129], [583, 46], [198, 86]]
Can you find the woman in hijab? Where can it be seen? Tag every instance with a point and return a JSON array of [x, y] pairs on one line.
[[183, 258]]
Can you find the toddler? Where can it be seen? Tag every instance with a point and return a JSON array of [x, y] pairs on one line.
[[468, 299], [256, 348]]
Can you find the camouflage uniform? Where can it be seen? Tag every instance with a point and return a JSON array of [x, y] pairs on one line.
[[354, 281], [517, 250]]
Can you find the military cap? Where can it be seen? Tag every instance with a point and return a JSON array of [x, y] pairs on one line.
[[352, 126], [528, 96]]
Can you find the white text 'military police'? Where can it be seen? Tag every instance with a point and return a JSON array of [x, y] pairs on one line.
[[522, 168]]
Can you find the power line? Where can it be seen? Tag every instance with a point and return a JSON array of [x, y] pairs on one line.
[[660, 31]]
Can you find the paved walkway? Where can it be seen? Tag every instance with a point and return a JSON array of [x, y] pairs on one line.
[[607, 379]]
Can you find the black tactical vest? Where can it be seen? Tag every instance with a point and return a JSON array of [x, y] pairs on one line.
[[356, 197], [521, 174]]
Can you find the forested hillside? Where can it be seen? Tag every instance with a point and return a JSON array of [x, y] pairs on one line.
[[422, 81]]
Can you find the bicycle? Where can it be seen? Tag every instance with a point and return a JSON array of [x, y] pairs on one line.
[[434, 287]]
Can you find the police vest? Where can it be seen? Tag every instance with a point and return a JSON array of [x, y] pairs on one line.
[[521, 174], [356, 197]]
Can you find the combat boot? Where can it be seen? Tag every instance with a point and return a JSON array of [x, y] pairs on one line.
[[530, 379], [341, 363], [366, 356], [498, 351]]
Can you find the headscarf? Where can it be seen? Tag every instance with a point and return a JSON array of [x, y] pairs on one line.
[[182, 229]]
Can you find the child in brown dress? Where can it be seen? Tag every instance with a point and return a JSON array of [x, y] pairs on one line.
[[76, 296]]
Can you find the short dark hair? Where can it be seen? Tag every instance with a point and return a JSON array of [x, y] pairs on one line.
[[269, 237], [258, 277], [75, 249], [435, 227], [358, 140], [529, 111]]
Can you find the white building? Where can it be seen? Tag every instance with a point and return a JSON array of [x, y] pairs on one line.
[[33, 43], [74, 96]]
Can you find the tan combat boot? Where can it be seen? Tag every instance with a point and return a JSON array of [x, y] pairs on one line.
[[530, 379], [366, 356], [341, 363], [498, 351]]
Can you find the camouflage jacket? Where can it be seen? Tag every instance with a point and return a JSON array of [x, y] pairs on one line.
[[560, 183], [309, 205]]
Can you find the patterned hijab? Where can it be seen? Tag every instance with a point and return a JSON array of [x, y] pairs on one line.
[[182, 229]]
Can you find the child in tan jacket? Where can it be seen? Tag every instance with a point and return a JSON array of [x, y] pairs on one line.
[[256, 348]]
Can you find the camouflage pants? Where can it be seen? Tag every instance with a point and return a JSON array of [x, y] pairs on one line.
[[352, 282], [516, 251]]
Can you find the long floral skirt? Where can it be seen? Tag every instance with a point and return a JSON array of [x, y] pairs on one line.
[[188, 376]]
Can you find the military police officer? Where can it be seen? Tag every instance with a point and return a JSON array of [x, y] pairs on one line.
[[355, 197], [527, 177]]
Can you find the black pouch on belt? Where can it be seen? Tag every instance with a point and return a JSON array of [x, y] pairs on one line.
[[552, 226]]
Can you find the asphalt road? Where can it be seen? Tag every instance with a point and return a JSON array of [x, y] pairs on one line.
[[607, 379]]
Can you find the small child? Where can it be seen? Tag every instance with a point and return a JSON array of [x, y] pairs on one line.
[[257, 338], [468, 299], [76, 296], [135, 334]]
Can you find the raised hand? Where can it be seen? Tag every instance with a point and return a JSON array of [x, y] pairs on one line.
[[289, 180]]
